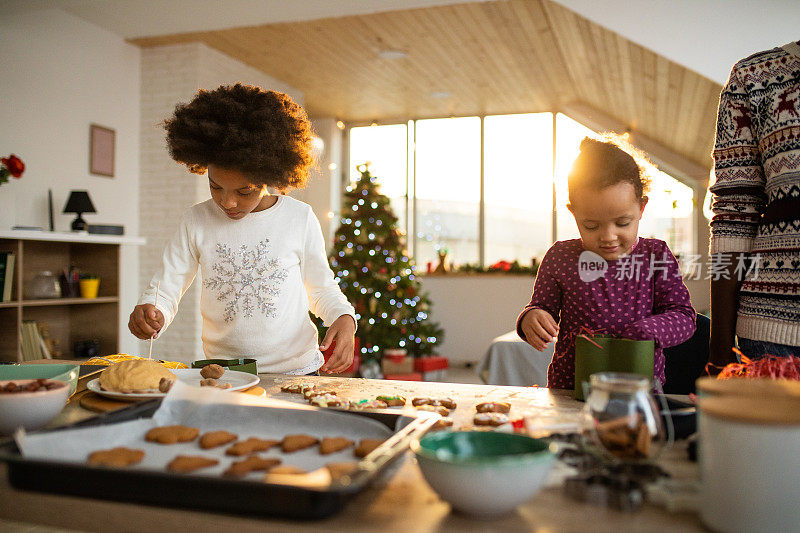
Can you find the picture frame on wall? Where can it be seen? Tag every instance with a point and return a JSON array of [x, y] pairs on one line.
[[101, 150]]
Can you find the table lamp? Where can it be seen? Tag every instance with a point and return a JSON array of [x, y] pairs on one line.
[[79, 202]]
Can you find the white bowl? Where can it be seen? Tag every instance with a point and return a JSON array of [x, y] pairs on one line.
[[483, 473], [30, 410]]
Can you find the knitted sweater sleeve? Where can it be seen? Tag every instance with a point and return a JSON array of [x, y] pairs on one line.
[[673, 318], [546, 289], [325, 298], [738, 195], [179, 265]]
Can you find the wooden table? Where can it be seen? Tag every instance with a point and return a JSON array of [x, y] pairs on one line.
[[401, 501]]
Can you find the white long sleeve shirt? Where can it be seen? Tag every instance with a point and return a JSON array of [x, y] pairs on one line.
[[261, 275]]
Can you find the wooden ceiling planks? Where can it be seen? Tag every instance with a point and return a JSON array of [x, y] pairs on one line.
[[512, 56]]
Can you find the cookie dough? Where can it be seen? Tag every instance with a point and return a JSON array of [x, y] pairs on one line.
[[134, 375]]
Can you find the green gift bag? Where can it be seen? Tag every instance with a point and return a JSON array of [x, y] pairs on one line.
[[605, 353]]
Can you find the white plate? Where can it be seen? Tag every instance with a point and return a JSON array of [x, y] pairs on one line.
[[190, 376]]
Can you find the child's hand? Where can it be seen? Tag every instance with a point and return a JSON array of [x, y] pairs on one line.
[[539, 328], [342, 332], [146, 321]]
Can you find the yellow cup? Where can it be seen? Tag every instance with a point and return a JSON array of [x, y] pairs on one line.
[[89, 288]]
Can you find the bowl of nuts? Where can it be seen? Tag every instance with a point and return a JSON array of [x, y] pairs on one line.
[[30, 403]]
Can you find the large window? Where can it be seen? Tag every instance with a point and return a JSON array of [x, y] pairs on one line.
[[431, 170], [385, 149], [448, 187], [518, 186]]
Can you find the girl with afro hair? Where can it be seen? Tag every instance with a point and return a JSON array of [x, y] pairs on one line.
[[262, 256], [609, 280]]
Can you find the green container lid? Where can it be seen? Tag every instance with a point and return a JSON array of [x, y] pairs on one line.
[[238, 365]]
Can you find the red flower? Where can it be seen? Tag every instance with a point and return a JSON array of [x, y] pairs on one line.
[[501, 265], [14, 165]]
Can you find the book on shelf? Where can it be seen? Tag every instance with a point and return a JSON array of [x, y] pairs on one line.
[[7, 260], [33, 344]]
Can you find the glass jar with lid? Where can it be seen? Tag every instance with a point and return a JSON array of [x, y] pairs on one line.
[[44, 285], [621, 417]]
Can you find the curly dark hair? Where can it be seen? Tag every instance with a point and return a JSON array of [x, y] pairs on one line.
[[264, 135], [602, 163]]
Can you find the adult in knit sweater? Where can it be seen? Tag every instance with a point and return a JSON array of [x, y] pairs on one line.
[[756, 206]]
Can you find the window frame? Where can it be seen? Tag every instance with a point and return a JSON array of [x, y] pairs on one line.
[[411, 176]]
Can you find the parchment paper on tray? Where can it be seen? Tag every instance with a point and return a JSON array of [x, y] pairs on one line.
[[210, 409]]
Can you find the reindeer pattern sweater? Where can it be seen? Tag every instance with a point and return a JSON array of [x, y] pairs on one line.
[[756, 193]]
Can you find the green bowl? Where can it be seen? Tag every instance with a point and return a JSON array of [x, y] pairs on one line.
[[60, 372], [483, 473], [239, 365]]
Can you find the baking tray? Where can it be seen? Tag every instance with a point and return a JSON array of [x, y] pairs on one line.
[[206, 492]]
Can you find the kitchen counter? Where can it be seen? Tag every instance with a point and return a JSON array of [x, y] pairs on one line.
[[400, 501]]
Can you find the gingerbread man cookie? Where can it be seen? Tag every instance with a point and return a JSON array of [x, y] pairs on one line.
[[190, 463], [118, 457], [253, 463], [251, 445], [493, 407], [171, 434], [330, 445], [212, 439]]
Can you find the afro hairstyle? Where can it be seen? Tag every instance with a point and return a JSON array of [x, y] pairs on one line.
[[602, 163], [264, 135]]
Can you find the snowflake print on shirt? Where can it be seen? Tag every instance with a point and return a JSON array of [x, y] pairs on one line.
[[247, 280]]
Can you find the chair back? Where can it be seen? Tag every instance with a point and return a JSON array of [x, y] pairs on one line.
[[686, 362]]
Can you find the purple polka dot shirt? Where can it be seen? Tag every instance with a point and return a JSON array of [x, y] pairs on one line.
[[640, 297]]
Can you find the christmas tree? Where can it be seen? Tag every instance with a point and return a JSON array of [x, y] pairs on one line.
[[377, 276]]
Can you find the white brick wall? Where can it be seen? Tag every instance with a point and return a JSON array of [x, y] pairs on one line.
[[172, 74]]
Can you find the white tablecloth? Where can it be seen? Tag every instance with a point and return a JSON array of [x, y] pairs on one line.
[[512, 361]]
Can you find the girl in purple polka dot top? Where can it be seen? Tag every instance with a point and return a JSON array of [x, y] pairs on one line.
[[609, 280]]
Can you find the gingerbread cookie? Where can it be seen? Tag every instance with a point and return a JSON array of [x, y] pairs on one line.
[[212, 439], [165, 384], [283, 470], [442, 423], [326, 400], [366, 446], [493, 407], [333, 444], [190, 463], [310, 393], [251, 445], [171, 434], [366, 404], [253, 463], [489, 419], [440, 409], [392, 401], [118, 457], [339, 470], [293, 443], [212, 371], [298, 388], [445, 402]]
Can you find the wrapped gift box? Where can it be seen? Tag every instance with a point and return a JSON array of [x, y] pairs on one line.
[[433, 368], [396, 361]]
